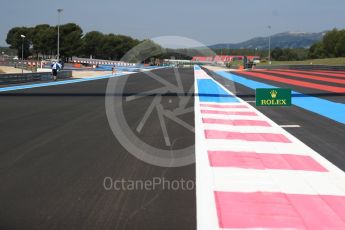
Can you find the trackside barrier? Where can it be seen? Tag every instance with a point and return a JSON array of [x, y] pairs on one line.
[[28, 77]]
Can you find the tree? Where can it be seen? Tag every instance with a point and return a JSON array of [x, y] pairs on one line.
[[329, 42], [316, 51], [287, 54], [276, 53], [91, 44], [107, 47], [70, 39], [15, 40], [145, 51], [332, 45], [340, 46], [124, 44], [114, 47], [44, 40]]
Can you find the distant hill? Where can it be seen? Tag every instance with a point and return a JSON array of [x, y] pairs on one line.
[[282, 40]]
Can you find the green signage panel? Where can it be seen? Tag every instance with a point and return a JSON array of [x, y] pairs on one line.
[[273, 97]]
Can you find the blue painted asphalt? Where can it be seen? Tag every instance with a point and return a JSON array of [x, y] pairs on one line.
[[63, 82], [211, 91], [136, 68], [323, 107]]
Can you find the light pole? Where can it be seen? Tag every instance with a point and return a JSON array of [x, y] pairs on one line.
[[23, 37], [269, 44], [58, 39]]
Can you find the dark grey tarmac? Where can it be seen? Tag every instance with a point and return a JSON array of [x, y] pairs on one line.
[[56, 149]]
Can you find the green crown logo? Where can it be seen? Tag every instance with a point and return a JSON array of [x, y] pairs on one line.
[[274, 93]]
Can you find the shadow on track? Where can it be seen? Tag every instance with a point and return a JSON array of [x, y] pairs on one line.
[[153, 95]]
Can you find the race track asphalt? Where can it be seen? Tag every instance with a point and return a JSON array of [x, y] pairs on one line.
[[57, 148], [321, 134]]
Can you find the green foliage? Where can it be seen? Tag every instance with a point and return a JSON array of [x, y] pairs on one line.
[[91, 44], [145, 51], [279, 54], [109, 46], [316, 51], [324, 61], [332, 45], [42, 40], [340, 46], [8, 51], [329, 41], [240, 52], [15, 41], [70, 39]]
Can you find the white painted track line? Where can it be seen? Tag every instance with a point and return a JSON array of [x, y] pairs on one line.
[[244, 129], [284, 181], [207, 218], [259, 147]]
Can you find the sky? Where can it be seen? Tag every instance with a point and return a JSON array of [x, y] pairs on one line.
[[208, 22]]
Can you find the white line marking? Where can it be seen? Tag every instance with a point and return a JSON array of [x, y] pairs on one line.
[[242, 129], [259, 147], [232, 117], [228, 109], [290, 126], [285, 181], [223, 103], [206, 210]]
